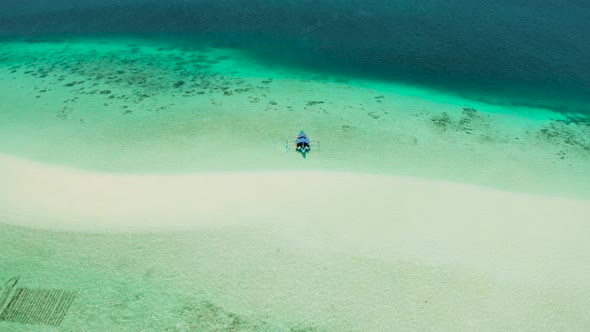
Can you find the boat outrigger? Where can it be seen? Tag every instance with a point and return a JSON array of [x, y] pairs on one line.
[[302, 143]]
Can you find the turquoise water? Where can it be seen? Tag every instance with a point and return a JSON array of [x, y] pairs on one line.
[[516, 53], [491, 94]]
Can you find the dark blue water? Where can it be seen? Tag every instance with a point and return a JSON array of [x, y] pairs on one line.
[[519, 52]]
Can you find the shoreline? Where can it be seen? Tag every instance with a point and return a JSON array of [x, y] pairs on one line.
[[26, 183]]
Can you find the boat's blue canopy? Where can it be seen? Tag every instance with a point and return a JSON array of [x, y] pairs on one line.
[[302, 138]]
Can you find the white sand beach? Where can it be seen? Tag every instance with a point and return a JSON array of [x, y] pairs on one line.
[[434, 218], [515, 241]]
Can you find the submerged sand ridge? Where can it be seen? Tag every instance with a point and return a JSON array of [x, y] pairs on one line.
[[290, 245]]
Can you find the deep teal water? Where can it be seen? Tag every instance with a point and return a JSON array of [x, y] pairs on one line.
[[534, 53]]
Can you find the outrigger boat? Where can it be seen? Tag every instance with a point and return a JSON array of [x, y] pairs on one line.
[[302, 143]]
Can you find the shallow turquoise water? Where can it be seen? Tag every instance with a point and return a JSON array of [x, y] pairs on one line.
[[133, 104]]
